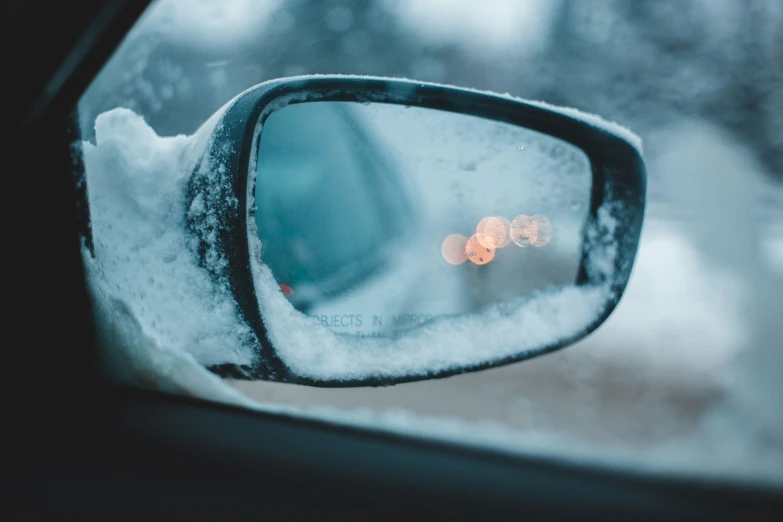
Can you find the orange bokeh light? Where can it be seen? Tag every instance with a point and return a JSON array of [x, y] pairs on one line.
[[494, 232], [535, 230], [453, 249], [478, 253]]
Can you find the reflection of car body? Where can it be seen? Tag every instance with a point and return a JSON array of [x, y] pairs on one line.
[[335, 172]]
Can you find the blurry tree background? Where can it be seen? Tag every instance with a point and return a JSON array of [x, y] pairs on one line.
[[641, 63]]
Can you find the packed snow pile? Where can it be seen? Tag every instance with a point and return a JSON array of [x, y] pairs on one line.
[[136, 183], [312, 349]]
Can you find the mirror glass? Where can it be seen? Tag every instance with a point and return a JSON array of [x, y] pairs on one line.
[[378, 218]]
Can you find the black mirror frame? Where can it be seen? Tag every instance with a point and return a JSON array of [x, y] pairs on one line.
[[619, 177]]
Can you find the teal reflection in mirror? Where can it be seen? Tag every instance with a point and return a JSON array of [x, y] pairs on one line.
[[377, 218]]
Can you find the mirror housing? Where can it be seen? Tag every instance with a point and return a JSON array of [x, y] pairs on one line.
[[221, 183]]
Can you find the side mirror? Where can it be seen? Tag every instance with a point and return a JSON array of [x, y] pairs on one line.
[[376, 231]]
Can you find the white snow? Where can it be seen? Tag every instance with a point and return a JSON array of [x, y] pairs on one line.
[[136, 183], [312, 349], [137, 359], [163, 317], [650, 390], [593, 120]]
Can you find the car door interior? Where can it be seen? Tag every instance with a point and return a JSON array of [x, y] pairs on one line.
[[81, 449]]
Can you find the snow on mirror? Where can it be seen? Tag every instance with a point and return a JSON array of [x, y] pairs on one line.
[[302, 238], [385, 224]]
